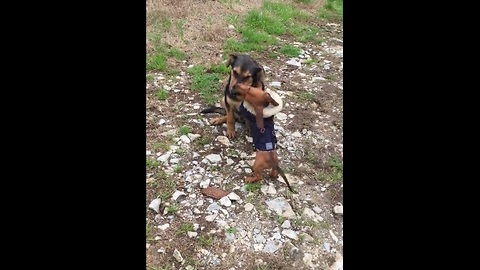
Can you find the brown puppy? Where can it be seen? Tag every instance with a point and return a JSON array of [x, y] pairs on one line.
[[244, 70], [263, 133]]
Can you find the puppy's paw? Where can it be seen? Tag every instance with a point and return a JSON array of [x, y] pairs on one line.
[[273, 173], [230, 134]]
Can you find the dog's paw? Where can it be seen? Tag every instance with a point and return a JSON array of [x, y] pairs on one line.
[[217, 121]]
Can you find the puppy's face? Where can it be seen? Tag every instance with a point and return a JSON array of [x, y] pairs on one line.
[[244, 70], [254, 95]]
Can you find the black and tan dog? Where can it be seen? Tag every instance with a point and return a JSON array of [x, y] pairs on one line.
[[245, 70]]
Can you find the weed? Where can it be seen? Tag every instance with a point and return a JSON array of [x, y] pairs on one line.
[[157, 62], [150, 77], [161, 94], [173, 208], [334, 172], [178, 168], [149, 231], [205, 83], [253, 187], [308, 62], [222, 69], [290, 50], [165, 146], [203, 140], [281, 219], [178, 54], [164, 195], [301, 237], [206, 241], [304, 1], [152, 163], [231, 230], [184, 130], [185, 228], [306, 95]]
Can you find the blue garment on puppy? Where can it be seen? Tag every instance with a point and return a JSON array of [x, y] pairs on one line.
[[265, 141]]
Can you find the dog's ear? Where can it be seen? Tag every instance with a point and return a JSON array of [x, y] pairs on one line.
[[231, 59], [259, 74], [271, 100]]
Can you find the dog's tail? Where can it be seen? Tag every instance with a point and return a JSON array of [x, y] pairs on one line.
[[218, 110]]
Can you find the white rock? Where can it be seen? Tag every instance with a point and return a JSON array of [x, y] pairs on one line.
[[233, 196], [312, 215], [211, 217], [193, 137], [230, 161], [338, 264], [297, 134], [162, 121], [184, 139], [281, 116], [223, 140], [177, 256], [334, 237], [286, 224], [177, 194], [230, 26], [290, 234], [248, 207], [294, 62], [225, 201], [155, 205], [149, 152], [164, 157], [307, 260], [317, 209], [163, 227], [276, 84], [205, 183], [192, 234], [214, 158], [338, 209]]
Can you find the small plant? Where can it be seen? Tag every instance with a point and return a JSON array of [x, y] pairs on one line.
[[203, 140], [185, 228], [178, 54], [309, 62], [161, 145], [161, 94], [178, 168], [231, 230], [184, 130], [172, 208], [152, 163], [149, 231], [306, 96], [290, 50], [157, 62], [281, 219], [253, 187], [301, 237], [206, 241], [149, 77], [164, 195]]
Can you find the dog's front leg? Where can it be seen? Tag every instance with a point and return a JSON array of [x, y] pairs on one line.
[[230, 123]]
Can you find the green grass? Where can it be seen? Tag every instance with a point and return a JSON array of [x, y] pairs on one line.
[[206, 241], [176, 53], [178, 168], [290, 50], [306, 95], [334, 171], [253, 187], [184, 130], [152, 163], [185, 228], [231, 230], [161, 94], [304, 1], [260, 27], [149, 231], [149, 77], [173, 208], [332, 9], [207, 82]]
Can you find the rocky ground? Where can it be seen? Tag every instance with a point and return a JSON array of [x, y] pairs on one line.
[[255, 226]]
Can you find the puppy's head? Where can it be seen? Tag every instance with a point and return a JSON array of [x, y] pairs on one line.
[[258, 98], [244, 70]]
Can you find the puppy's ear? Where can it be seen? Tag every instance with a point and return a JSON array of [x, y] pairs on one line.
[[271, 100], [231, 59], [259, 74]]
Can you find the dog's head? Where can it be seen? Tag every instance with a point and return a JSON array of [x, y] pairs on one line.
[[244, 70], [258, 98]]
